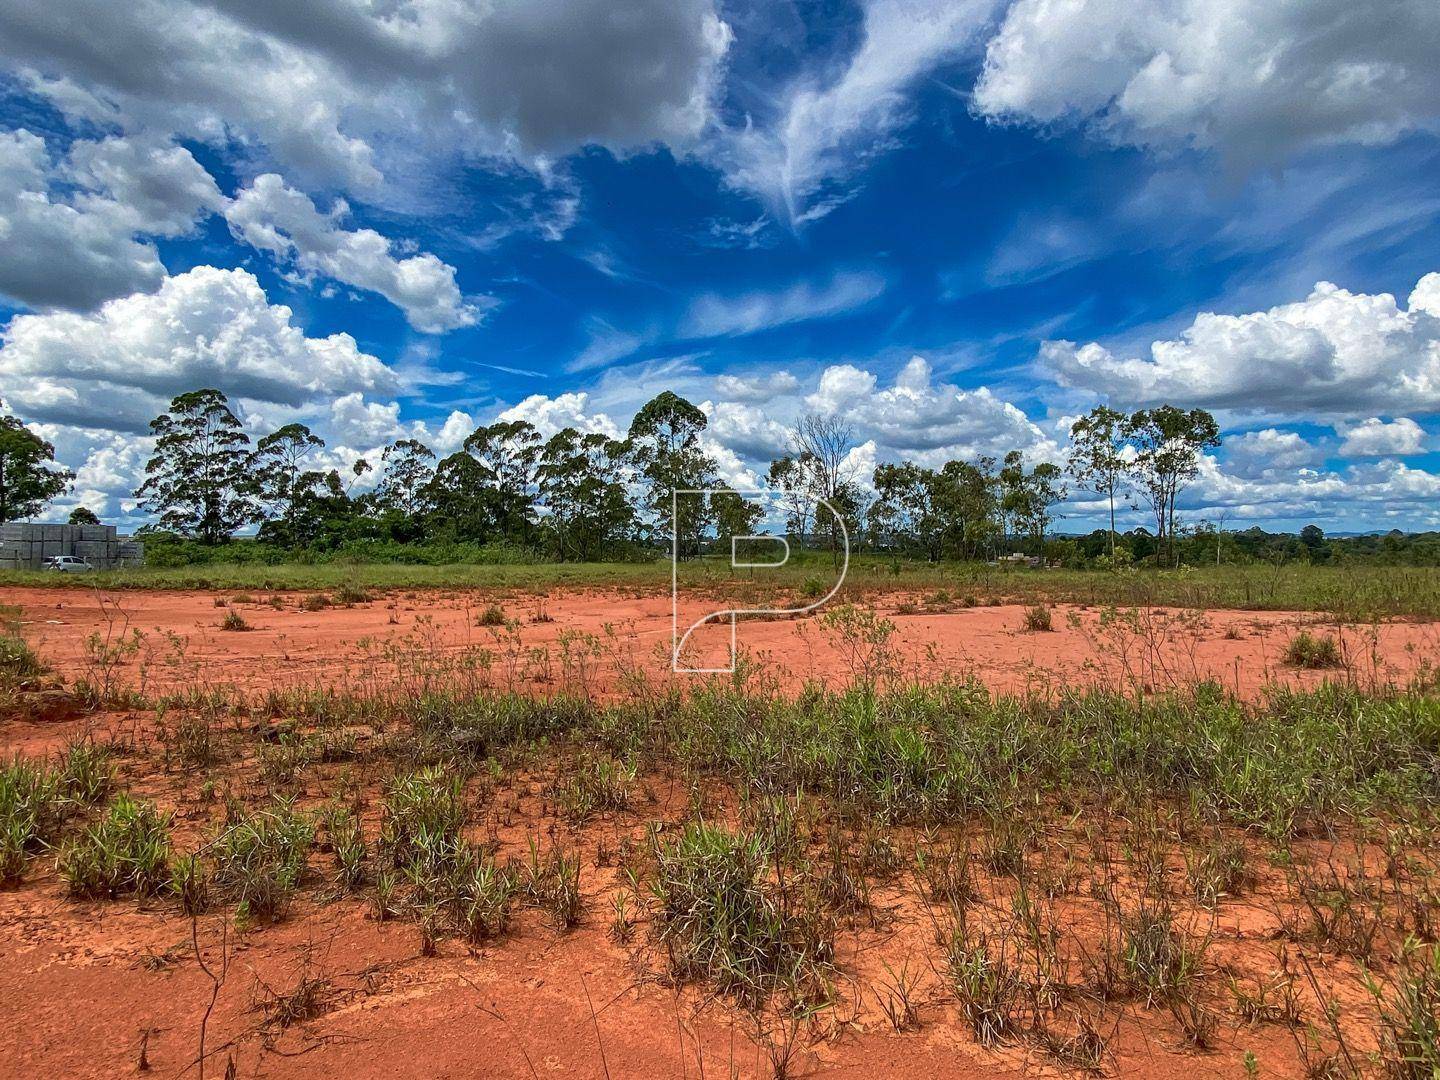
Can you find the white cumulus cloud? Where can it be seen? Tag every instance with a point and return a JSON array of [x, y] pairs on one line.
[[1335, 352], [1251, 77], [1375, 438], [74, 232], [1268, 452], [272, 216], [116, 369], [550, 415]]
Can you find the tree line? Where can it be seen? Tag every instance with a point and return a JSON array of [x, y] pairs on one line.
[[589, 496], [586, 495]]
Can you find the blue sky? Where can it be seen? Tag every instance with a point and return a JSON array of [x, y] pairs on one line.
[[959, 225]]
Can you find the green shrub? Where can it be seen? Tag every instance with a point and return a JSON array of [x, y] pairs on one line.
[[1037, 619], [552, 884], [349, 593], [1410, 1015], [483, 893], [190, 884], [259, 859], [127, 850], [347, 842], [422, 817], [18, 662], [987, 986], [86, 773], [720, 918], [32, 808], [598, 784], [1307, 650], [493, 615]]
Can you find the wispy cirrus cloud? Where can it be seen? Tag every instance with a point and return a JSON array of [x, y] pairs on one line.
[[829, 124], [716, 315]]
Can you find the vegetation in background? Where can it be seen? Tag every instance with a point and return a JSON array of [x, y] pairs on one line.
[[197, 481], [509, 497], [29, 477]]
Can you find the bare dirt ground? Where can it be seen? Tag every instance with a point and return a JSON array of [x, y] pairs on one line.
[[105, 989], [114, 988], [181, 642]]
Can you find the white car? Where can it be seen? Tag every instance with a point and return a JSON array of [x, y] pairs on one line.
[[67, 564]]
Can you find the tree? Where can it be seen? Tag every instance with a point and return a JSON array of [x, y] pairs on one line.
[[1044, 490], [583, 481], [1098, 460], [664, 441], [408, 468], [83, 515], [968, 506], [825, 442], [456, 500], [507, 454], [357, 470], [1168, 443], [734, 516], [792, 480], [196, 482], [906, 508], [1026, 498], [323, 514], [28, 476], [1013, 498], [277, 479]]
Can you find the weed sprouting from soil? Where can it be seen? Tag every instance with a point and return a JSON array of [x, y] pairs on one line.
[[493, 615], [1038, 620], [32, 809], [1315, 651], [234, 621], [18, 662], [259, 859], [721, 919], [126, 851], [1409, 1011]]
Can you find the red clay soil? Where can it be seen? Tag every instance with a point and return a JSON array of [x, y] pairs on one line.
[[183, 644], [106, 989], [95, 988]]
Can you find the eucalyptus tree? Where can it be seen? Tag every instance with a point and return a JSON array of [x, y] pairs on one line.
[[664, 441], [792, 481], [29, 477], [407, 469], [1169, 442], [278, 479], [907, 510], [584, 482], [197, 481], [1100, 457], [507, 454]]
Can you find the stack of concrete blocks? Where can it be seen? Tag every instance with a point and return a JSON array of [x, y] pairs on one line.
[[26, 547]]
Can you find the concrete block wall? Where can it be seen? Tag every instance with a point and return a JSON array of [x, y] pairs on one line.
[[26, 547]]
